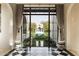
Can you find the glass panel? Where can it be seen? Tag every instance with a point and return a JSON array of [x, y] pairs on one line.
[[39, 30], [52, 12], [28, 23], [26, 31], [39, 13], [53, 8], [39, 8], [24, 27], [53, 28]]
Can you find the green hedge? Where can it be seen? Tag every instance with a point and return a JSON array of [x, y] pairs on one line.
[[40, 37]]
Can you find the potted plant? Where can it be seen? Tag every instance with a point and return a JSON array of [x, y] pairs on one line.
[[40, 38], [26, 42]]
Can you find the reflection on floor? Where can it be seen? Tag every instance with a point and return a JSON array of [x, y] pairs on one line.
[[41, 51]]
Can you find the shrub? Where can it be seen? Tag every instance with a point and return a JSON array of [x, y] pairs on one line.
[[40, 37], [26, 42]]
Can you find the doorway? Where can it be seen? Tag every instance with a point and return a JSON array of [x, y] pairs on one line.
[[39, 30], [41, 27]]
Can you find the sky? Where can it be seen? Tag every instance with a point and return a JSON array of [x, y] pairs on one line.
[[39, 18]]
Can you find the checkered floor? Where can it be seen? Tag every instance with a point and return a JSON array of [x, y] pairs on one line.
[[41, 51]]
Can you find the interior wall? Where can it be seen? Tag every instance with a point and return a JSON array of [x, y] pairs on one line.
[[72, 29], [7, 34]]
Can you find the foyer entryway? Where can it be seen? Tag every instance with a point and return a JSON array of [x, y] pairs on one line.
[[40, 26], [39, 32]]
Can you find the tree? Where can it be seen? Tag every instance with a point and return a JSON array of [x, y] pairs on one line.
[[33, 27], [45, 26]]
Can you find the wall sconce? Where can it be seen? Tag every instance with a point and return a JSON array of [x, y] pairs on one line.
[[18, 30]]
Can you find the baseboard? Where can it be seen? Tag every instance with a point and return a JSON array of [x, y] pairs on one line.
[[9, 52], [69, 52]]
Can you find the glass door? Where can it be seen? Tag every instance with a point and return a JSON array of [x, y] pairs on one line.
[[39, 30], [41, 27], [26, 31]]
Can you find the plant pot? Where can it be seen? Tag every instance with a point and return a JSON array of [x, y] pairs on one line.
[[37, 43], [41, 43]]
